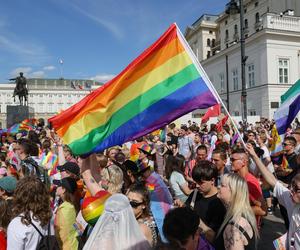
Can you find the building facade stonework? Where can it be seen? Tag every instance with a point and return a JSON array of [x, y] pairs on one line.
[[46, 96], [272, 47]]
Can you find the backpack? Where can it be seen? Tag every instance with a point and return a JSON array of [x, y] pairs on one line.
[[39, 171], [47, 242]]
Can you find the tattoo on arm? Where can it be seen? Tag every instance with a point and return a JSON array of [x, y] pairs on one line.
[[233, 238]]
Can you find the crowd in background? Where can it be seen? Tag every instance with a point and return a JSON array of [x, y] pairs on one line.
[[182, 187]]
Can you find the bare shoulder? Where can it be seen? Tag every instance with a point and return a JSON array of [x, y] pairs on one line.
[[233, 236], [246, 226]]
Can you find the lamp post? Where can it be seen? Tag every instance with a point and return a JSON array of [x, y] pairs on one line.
[[233, 8]]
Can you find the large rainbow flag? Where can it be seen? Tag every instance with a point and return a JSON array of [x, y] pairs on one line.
[[165, 82]]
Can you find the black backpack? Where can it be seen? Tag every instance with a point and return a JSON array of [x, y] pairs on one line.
[[47, 242], [40, 172]]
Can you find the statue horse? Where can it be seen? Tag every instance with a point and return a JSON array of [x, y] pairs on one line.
[[22, 94]]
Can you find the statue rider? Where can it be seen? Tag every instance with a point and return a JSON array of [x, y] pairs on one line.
[[21, 86]]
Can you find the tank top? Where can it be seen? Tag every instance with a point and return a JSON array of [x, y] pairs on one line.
[[151, 224], [251, 241]]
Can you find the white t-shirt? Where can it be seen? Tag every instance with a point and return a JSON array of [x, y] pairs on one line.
[[267, 155], [177, 180], [284, 197], [20, 236]]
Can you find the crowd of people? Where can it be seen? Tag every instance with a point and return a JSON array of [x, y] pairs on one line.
[[189, 187]]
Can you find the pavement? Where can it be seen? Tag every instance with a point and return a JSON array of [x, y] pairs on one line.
[[273, 227]]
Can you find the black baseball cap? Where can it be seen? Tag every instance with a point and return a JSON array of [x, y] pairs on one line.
[[130, 165], [68, 183], [71, 167]]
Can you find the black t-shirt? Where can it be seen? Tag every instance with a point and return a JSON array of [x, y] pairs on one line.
[[292, 164], [212, 212]]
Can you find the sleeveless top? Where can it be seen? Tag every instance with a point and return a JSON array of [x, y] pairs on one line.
[[151, 224], [251, 241]]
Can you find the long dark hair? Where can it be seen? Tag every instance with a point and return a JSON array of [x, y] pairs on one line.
[[74, 199], [174, 163], [5, 213]]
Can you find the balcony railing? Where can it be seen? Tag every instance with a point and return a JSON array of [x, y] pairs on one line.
[[279, 22]]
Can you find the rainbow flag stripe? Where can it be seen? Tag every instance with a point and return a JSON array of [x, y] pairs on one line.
[[160, 85]]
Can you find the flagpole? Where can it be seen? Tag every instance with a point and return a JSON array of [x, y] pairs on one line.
[[61, 68], [206, 78]]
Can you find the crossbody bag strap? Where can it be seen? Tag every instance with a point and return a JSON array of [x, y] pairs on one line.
[[192, 205], [37, 229]]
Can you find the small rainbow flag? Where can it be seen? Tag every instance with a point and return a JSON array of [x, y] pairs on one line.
[[49, 161], [165, 82], [150, 187]]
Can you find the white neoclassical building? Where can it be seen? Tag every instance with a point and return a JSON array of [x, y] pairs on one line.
[[46, 96], [272, 45]]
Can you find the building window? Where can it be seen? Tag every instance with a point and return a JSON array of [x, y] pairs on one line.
[[251, 75], [222, 84], [257, 17], [246, 23], [208, 42], [208, 54], [274, 105], [236, 113], [235, 29], [226, 35], [252, 112], [235, 79], [256, 4], [213, 43], [210, 32], [226, 22], [283, 70]]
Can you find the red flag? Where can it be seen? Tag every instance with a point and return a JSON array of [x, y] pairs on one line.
[[221, 123], [211, 112]]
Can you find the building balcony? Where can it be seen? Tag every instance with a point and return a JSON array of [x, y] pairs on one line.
[[217, 46], [236, 37], [258, 25], [281, 22]]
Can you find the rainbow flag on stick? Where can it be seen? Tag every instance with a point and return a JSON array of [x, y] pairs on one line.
[[165, 82]]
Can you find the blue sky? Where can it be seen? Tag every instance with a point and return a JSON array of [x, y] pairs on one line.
[[95, 38]]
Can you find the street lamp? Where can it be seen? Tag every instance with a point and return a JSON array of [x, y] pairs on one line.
[[233, 8]]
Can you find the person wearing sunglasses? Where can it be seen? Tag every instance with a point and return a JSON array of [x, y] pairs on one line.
[[286, 172], [296, 135], [288, 197], [139, 200]]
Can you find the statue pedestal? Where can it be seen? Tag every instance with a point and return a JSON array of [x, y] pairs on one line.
[[16, 114]]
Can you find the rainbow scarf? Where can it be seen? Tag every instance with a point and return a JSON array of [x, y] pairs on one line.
[[165, 82]]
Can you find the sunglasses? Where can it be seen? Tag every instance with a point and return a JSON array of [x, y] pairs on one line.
[[286, 144], [295, 190], [232, 159], [135, 204]]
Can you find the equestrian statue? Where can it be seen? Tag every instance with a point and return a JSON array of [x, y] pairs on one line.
[[21, 89]]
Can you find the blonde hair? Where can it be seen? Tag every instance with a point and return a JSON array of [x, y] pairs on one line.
[[239, 205], [114, 175]]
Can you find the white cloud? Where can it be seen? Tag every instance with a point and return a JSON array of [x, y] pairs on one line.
[[49, 68], [16, 71], [37, 74], [102, 77]]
